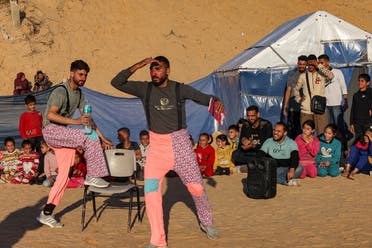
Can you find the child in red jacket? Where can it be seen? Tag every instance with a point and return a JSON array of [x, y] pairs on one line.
[[31, 123], [79, 171], [205, 155]]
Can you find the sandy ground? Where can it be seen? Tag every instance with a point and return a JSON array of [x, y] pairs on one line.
[[197, 36], [322, 212]]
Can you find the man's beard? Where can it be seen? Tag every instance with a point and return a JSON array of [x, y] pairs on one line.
[[161, 81]]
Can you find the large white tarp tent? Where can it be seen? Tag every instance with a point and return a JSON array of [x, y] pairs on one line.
[[258, 75]]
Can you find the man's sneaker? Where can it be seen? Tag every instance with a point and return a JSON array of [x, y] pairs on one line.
[[96, 182], [49, 220], [154, 246], [293, 182], [211, 231]]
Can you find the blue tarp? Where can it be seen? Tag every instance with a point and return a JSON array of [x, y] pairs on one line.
[[109, 112]]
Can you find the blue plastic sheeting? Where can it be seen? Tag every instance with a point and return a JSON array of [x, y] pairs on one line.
[[228, 86], [265, 82], [270, 107], [110, 113], [346, 52]]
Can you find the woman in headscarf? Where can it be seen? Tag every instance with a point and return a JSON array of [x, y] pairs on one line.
[[21, 84]]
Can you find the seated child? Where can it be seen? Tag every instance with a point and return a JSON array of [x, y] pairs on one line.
[[308, 147], [205, 154], [359, 160], [79, 171], [329, 154], [144, 146], [223, 164], [28, 164], [50, 165], [234, 136], [9, 161]]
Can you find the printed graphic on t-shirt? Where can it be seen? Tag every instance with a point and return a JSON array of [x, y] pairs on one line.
[[164, 105]]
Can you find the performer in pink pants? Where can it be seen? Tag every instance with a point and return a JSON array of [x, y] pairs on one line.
[[170, 146], [62, 103]]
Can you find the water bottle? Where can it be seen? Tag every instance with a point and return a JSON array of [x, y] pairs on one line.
[[87, 111]]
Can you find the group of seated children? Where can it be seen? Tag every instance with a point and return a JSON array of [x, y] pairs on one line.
[[321, 156], [28, 167], [317, 155], [217, 161]]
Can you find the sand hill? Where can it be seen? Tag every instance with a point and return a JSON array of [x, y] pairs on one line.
[[197, 36]]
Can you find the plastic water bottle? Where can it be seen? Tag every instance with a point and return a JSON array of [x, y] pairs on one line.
[[87, 111]]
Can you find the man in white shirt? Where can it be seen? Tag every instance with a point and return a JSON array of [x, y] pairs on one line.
[[335, 91]]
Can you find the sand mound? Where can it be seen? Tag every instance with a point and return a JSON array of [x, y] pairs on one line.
[[197, 36]]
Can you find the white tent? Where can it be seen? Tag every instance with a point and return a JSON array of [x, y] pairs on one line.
[[259, 73]]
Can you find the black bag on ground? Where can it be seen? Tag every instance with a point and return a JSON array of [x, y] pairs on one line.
[[261, 180]]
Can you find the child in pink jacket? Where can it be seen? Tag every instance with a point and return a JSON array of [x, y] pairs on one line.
[[308, 147]]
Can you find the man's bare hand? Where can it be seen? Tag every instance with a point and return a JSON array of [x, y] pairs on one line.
[[143, 63], [290, 174]]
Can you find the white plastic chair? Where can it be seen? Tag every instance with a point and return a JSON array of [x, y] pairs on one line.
[[121, 163]]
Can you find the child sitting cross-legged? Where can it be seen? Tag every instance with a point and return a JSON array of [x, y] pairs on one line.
[[78, 172], [28, 164], [9, 161], [205, 155], [50, 165], [329, 154], [223, 164], [359, 159]]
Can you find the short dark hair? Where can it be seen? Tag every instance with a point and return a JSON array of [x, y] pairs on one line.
[[162, 59], [9, 139], [79, 65], [234, 127], [311, 57], [39, 72], [331, 126], [125, 130], [30, 99], [324, 56], [26, 142], [144, 133], [242, 121], [281, 123], [310, 123], [209, 137], [365, 76], [253, 108], [302, 58], [223, 137]]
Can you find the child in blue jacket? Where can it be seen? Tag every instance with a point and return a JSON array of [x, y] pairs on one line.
[[329, 154]]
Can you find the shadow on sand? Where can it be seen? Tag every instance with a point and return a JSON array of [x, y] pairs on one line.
[[17, 223], [176, 192]]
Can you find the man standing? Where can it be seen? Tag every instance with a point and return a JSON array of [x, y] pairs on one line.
[[62, 103], [284, 150], [335, 91], [170, 147], [291, 108], [252, 136], [316, 78]]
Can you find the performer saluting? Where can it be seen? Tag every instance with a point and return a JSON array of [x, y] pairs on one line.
[[170, 146]]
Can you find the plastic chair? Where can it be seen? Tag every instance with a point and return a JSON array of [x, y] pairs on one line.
[[121, 163]]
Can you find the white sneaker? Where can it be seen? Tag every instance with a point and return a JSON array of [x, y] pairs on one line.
[[293, 182], [211, 231], [49, 220], [96, 182]]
